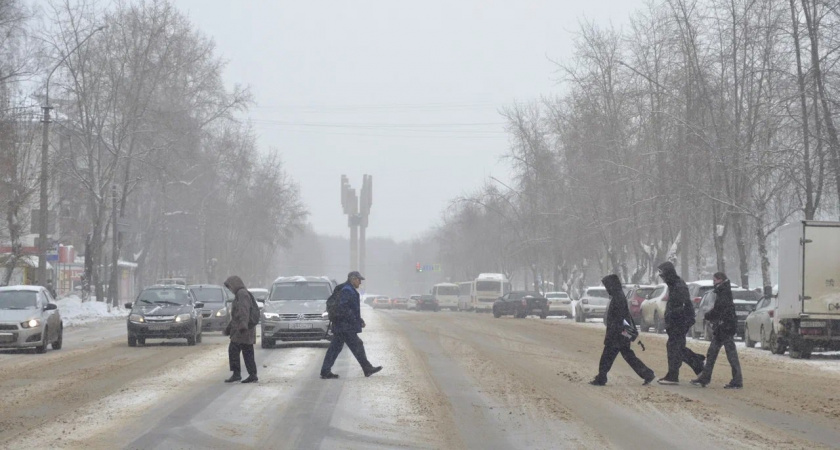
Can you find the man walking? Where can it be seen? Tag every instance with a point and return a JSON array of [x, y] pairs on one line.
[[242, 336], [679, 317], [725, 324], [616, 340], [346, 329]]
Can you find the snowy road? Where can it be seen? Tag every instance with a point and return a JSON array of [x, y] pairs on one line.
[[451, 380]]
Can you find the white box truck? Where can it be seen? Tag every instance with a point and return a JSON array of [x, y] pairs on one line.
[[808, 313]]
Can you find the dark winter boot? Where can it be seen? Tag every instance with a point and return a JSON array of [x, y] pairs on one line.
[[234, 378], [372, 370], [597, 381], [649, 378], [329, 376], [251, 379], [699, 382]]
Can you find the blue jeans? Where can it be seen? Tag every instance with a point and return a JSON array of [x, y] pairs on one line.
[[354, 342]]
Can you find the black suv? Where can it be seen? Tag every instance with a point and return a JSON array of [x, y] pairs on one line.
[[164, 312], [521, 304]]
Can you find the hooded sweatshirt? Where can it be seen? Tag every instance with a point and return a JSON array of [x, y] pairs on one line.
[[679, 311], [617, 312]]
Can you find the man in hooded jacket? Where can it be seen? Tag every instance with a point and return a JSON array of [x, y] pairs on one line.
[[242, 337], [679, 317], [616, 340], [725, 324]]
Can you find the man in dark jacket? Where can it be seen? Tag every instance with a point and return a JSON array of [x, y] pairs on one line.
[[725, 324], [346, 329], [617, 340], [679, 317], [242, 337]]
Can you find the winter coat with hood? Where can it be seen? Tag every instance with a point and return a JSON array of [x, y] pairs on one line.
[[723, 313], [349, 303], [679, 310], [617, 313], [240, 311]]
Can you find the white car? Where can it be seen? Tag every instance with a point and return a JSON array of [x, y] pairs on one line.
[[412, 302], [653, 310], [260, 295], [593, 303], [559, 304], [29, 318]]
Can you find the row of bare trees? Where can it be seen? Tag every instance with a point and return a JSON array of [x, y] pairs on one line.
[[150, 161], [691, 136]]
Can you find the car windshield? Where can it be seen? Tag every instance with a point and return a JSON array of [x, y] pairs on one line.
[[602, 293], [447, 290], [643, 292], [209, 295], [557, 295], [300, 291], [18, 300], [746, 295], [164, 296], [488, 286], [656, 293]]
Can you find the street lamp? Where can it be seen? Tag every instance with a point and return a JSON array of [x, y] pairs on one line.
[[42, 219]]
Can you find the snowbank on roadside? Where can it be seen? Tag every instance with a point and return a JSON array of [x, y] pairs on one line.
[[75, 312]]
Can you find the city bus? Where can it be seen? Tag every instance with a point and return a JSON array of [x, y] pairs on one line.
[[488, 288]]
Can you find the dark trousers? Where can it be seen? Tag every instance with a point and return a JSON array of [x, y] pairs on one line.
[[247, 354], [727, 343], [678, 353], [354, 342], [610, 353]]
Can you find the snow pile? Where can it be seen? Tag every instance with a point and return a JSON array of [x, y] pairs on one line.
[[75, 312]]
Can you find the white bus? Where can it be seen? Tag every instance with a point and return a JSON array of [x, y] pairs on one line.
[[466, 295], [488, 288], [446, 295]]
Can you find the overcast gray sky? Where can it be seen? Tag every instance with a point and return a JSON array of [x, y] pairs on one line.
[[407, 91]]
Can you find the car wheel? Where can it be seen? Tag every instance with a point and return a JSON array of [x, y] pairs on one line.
[[191, 339], [580, 317], [749, 342], [198, 338], [267, 343], [141, 341], [658, 326], [43, 347], [132, 341], [777, 346], [56, 345], [544, 314], [643, 326], [694, 333], [496, 314]]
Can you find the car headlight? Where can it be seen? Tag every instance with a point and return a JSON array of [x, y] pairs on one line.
[[270, 315], [182, 318], [136, 318], [31, 323], [221, 312]]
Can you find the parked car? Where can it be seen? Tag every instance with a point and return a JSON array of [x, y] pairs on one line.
[[758, 326], [29, 318], [428, 303], [381, 302], [521, 304], [295, 310], [744, 300], [399, 303], [653, 310], [636, 295], [215, 314], [592, 304], [164, 312], [260, 295], [411, 304], [559, 304]]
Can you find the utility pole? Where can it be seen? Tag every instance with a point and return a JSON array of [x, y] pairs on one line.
[[113, 284], [45, 147], [357, 218]]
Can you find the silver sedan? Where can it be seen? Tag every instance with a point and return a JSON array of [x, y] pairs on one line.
[[29, 318]]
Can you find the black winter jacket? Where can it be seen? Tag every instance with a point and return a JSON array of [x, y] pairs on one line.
[[679, 310], [723, 313], [617, 313]]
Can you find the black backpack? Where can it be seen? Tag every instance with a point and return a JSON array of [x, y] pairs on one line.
[[254, 315], [333, 310]]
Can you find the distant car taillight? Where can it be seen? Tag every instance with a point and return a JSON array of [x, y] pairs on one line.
[[697, 300], [771, 313], [524, 302]]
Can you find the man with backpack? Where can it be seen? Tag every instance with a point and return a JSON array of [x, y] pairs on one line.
[[347, 323], [621, 331], [679, 317], [242, 329], [725, 321]]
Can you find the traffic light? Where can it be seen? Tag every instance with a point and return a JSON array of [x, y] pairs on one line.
[[418, 268]]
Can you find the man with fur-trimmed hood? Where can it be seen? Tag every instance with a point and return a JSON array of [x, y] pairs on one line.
[[242, 337], [617, 340], [679, 317]]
